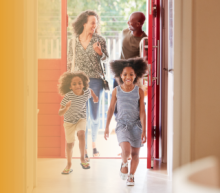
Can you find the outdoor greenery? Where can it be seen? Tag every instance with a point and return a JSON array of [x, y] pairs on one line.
[[114, 13]]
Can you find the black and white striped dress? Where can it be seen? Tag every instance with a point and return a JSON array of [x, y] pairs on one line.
[[77, 109], [128, 127]]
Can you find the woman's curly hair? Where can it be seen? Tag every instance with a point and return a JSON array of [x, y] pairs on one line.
[[138, 64], [82, 19], [66, 78]]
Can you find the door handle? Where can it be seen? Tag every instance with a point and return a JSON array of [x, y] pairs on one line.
[[158, 61], [149, 74]]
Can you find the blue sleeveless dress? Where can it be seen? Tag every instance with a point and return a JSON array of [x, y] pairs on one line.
[[128, 127]]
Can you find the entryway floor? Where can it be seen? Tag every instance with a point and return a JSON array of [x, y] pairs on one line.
[[103, 177]]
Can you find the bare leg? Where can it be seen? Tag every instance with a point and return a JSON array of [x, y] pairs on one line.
[[134, 160], [69, 152], [81, 137], [126, 150]]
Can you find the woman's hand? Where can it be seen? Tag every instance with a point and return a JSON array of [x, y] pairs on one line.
[[143, 136], [97, 48], [106, 134], [95, 98]]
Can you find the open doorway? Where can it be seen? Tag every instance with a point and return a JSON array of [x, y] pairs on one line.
[[53, 37]]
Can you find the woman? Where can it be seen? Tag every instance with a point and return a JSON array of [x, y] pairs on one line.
[[90, 47]]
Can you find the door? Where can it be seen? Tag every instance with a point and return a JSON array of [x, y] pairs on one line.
[[153, 112], [52, 50]]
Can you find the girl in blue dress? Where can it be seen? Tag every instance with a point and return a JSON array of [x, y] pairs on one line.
[[131, 117]]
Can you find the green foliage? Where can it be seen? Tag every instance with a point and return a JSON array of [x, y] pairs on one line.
[[114, 14]]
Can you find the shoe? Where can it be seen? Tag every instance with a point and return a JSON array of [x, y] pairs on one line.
[[67, 171], [122, 175], [130, 177], [95, 152], [85, 165]]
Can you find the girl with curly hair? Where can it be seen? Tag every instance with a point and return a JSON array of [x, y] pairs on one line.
[[86, 48], [131, 124], [74, 87]]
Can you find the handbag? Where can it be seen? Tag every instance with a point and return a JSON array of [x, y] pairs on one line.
[[105, 82]]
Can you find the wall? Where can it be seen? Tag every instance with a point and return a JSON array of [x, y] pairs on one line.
[[196, 78], [30, 59], [12, 84], [205, 79]]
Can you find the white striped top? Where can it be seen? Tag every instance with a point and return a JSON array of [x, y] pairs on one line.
[[77, 108]]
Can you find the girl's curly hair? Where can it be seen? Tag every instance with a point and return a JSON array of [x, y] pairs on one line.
[[82, 19], [138, 64], [66, 78]]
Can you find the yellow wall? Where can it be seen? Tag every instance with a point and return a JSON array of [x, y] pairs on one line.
[[18, 96], [205, 79], [12, 97]]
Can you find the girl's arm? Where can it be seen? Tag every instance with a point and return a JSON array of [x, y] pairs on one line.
[[142, 115], [64, 109], [111, 110], [95, 98]]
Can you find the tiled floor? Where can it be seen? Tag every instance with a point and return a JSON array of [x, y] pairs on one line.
[[103, 177]]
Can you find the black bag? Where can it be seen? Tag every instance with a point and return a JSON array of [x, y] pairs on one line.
[[105, 82]]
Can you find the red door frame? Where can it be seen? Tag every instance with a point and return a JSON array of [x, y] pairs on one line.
[[149, 91], [158, 80]]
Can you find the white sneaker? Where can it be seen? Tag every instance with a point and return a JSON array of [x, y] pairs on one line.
[[130, 177], [122, 175]]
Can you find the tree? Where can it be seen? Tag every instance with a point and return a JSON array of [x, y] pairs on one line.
[[113, 14]]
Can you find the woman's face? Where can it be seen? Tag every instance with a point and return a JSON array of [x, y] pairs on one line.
[[77, 85], [128, 76], [91, 24]]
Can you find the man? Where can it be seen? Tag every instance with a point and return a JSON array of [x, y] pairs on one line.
[[132, 36]]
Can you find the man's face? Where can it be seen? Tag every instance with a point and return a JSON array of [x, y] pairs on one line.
[[133, 23]]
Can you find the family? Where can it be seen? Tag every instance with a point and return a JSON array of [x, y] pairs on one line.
[[82, 87]]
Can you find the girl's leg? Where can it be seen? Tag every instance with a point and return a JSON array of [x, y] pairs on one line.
[[134, 160], [69, 152], [97, 86], [126, 151], [87, 124], [81, 137]]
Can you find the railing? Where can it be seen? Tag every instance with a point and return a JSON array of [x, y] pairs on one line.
[[51, 48]]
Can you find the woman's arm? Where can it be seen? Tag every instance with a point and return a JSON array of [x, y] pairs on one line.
[[142, 115], [100, 48], [111, 110], [95, 98], [64, 109]]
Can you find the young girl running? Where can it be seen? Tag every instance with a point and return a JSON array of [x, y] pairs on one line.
[[73, 106], [131, 124]]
